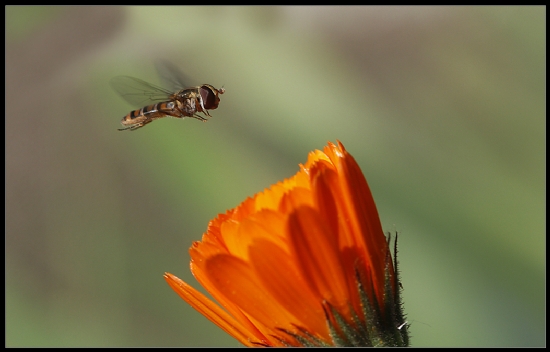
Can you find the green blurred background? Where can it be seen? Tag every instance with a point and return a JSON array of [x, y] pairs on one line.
[[443, 108]]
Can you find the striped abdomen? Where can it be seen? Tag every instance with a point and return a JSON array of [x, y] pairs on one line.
[[141, 117]]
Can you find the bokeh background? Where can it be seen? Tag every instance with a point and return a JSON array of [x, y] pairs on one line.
[[443, 108]]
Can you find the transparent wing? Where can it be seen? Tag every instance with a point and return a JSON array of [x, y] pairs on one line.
[[171, 76], [138, 92]]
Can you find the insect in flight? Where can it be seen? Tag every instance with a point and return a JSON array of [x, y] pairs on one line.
[[180, 102]]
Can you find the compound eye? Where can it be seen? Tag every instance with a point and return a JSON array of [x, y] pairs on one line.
[[209, 98]]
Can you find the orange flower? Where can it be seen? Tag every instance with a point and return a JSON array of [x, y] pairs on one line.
[[303, 263]]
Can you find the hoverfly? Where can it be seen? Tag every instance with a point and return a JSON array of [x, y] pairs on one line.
[[180, 102]]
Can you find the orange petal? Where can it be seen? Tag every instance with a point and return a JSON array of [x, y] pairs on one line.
[[316, 250], [266, 223], [227, 304], [297, 197], [238, 283], [325, 189], [285, 283], [365, 223], [209, 309]]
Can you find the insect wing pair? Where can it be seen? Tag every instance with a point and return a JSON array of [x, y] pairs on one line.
[[158, 102]]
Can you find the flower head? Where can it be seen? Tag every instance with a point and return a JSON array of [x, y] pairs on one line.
[[303, 263]]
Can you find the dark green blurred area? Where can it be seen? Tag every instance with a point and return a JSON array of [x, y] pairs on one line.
[[442, 107]]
